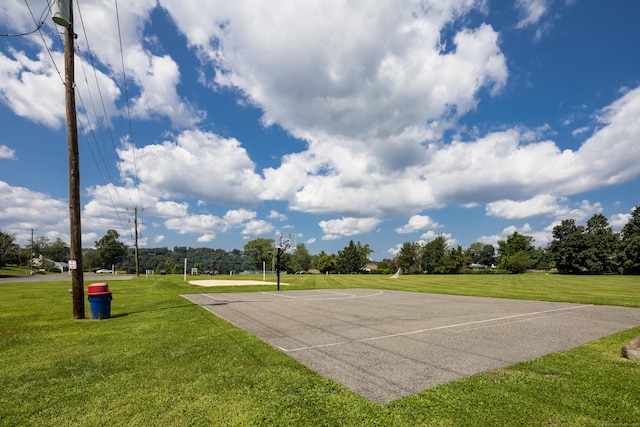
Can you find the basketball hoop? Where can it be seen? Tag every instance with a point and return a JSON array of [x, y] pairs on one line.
[[284, 242]]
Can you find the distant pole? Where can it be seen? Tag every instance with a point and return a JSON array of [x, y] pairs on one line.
[[77, 278], [31, 259], [135, 223]]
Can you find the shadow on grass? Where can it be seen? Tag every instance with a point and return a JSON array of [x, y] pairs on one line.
[[151, 310], [115, 316]]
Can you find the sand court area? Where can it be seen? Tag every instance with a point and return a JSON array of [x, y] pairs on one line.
[[222, 282]]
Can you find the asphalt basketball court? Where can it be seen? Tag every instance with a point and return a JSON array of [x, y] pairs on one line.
[[387, 344]]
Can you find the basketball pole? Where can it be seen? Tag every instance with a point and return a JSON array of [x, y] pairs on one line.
[[282, 245], [280, 251]]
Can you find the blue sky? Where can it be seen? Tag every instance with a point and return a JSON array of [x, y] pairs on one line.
[[381, 122]]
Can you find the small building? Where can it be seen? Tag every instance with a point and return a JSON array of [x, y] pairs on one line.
[[63, 266], [370, 266]]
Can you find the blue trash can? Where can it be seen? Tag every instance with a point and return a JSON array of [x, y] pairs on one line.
[[99, 301]]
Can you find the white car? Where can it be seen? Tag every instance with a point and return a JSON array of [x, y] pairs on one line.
[[103, 270]]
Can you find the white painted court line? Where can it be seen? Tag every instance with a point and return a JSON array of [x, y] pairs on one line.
[[342, 295], [319, 298], [381, 337]]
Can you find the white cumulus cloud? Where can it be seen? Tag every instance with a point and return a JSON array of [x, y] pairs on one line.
[[7, 153], [336, 228], [418, 223]]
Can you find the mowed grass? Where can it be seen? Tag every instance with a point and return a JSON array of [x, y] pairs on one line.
[[161, 360]]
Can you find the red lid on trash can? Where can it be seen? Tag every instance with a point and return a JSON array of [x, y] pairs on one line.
[[98, 289]]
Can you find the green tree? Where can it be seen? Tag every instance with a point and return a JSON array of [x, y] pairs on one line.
[[353, 258], [285, 263], [630, 244], [8, 249], [542, 259], [90, 259], [260, 249], [455, 260], [109, 250], [300, 259], [518, 246], [408, 258], [433, 254], [517, 262], [42, 248], [168, 267], [602, 246], [37, 246], [56, 251], [327, 263], [387, 265], [481, 253], [568, 246]]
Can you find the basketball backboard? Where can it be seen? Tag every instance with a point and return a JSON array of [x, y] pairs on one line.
[[285, 241]]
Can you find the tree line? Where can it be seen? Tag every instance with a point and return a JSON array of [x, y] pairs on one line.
[[109, 252], [591, 249]]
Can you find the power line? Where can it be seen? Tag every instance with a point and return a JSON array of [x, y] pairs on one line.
[[101, 153], [44, 42], [99, 171], [104, 109], [126, 93], [24, 34], [135, 225], [39, 25], [91, 129]]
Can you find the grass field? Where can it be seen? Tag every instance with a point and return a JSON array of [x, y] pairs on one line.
[[161, 360]]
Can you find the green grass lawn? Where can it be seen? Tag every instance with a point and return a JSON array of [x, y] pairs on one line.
[[161, 360], [14, 271]]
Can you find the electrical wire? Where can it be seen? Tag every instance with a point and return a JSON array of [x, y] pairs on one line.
[[24, 34], [44, 42], [91, 129], [106, 115], [104, 109], [39, 24], [101, 175], [126, 93]]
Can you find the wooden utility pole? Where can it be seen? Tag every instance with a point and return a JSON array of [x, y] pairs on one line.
[[77, 277]]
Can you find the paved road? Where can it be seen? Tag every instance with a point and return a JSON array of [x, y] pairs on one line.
[[388, 344]]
